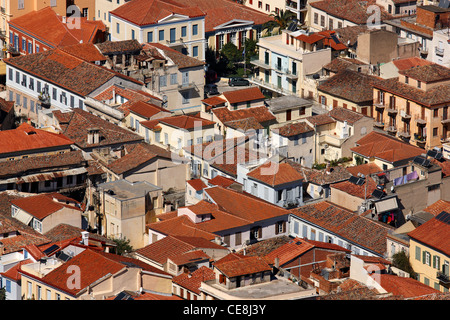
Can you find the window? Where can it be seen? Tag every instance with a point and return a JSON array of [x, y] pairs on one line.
[[161, 35], [49, 295], [316, 18], [117, 28], [195, 29], [30, 47], [185, 78], [267, 7], [21, 4], [238, 238], [31, 105], [426, 258], [436, 262], [172, 35], [39, 292], [85, 12], [260, 4], [173, 78], [280, 227], [10, 74], [322, 21], [162, 81], [8, 285], [436, 113], [132, 35], [435, 132], [150, 36], [406, 80], [419, 84], [195, 51]]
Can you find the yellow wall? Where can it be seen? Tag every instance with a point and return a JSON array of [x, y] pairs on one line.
[[427, 272]]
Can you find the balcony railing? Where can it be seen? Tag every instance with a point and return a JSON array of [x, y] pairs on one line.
[[391, 129], [442, 277], [379, 124], [405, 115], [392, 109], [420, 120], [332, 140], [404, 134], [380, 105]]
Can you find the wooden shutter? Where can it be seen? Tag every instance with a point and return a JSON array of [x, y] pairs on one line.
[[259, 232], [276, 228]]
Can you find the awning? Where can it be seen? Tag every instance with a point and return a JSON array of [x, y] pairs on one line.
[[386, 205], [23, 217]]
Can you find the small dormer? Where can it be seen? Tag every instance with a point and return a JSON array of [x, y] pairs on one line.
[[93, 136]]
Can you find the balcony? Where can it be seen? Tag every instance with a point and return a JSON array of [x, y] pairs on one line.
[[391, 129], [392, 110], [379, 105], [445, 119], [378, 124], [294, 6], [405, 115], [187, 86], [331, 140], [439, 51], [421, 121], [443, 278], [420, 140], [258, 63], [404, 135]]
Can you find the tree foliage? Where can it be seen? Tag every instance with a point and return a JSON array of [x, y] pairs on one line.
[[122, 245], [401, 260], [280, 21]]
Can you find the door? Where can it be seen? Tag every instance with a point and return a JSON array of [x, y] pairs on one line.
[[288, 115]]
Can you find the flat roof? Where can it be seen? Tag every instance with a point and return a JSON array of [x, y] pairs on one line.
[[126, 190]]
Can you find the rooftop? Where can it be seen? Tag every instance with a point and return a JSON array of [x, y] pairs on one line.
[[46, 25], [293, 129], [125, 190], [65, 70], [75, 125], [243, 95], [346, 224], [26, 138], [275, 174], [350, 85], [43, 205], [179, 59], [386, 148], [427, 72], [355, 11]]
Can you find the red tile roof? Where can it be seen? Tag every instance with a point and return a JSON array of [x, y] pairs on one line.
[[193, 280], [356, 190], [326, 36], [219, 12], [242, 95], [144, 12], [186, 122], [214, 101], [221, 181], [434, 233], [261, 114], [85, 51], [47, 26], [275, 174], [43, 205], [366, 169], [427, 73], [293, 129], [25, 138], [179, 59], [438, 207], [237, 265], [351, 10], [197, 184], [408, 63], [75, 125], [345, 224], [406, 287], [146, 109], [386, 148]]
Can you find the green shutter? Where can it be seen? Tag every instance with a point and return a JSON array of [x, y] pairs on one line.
[[418, 253], [424, 258]]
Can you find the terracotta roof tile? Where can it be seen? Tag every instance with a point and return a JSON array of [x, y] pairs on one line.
[[352, 10], [427, 72], [408, 63], [47, 26], [386, 148], [85, 51], [25, 139], [438, 207], [350, 85], [13, 272], [434, 233], [146, 109], [261, 114], [197, 184], [293, 129], [242, 265], [221, 181], [180, 59], [79, 123], [275, 174], [242, 95], [43, 205], [144, 12], [219, 12], [320, 119], [355, 190], [405, 287], [366, 169], [342, 114], [193, 280], [345, 224]]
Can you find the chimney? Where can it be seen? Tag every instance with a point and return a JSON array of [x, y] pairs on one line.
[[93, 136], [277, 262], [64, 19], [85, 238]]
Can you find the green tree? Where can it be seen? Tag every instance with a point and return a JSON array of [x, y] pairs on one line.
[[280, 21], [122, 245], [232, 54], [2, 293], [401, 260]]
